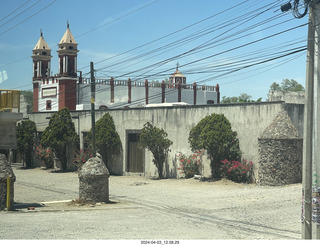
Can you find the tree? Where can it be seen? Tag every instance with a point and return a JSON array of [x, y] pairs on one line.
[[155, 140], [60, 135], [26, 138], [243, 98], [287, 86], [28, 95], [214, 134], [108, 141]]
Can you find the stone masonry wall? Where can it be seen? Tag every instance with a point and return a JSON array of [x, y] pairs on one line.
[[5, 172], [280, 161], [280, 152]]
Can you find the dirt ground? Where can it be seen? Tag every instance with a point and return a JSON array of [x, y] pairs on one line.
[[143, 208]]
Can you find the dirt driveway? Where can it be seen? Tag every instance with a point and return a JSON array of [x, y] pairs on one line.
[[151, 209]]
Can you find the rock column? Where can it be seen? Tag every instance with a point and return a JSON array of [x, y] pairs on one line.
[[94, 181], [5, 172]]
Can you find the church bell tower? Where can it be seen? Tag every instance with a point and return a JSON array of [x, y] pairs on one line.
[[41, 56], [67, 52]]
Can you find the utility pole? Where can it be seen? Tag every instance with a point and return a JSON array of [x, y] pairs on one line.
[[308, 135], [311, 130], [316, 129], [93, 120]]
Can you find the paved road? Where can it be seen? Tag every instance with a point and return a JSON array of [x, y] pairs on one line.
[[152, 209]]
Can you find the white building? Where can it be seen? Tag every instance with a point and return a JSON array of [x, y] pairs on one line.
[[66, 89]]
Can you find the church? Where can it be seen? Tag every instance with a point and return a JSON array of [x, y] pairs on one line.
[[175, 106], [67, 89]]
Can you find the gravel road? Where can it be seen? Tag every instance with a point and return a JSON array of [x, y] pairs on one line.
[[143, 208]]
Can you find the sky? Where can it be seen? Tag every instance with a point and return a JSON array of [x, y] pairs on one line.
[[242, 45]]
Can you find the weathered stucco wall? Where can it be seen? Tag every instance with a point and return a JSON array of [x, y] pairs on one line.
[[8, 131], [288, 97], [248, 120]]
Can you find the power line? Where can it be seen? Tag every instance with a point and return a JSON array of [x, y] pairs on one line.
[[119, 18], [14, 10], [192, 37], [172, 58], [47, 6], [76, 36], [170, 34]]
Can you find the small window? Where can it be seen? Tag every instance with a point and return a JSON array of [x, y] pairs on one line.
[[70, 47], [48, 105], [210, 102]]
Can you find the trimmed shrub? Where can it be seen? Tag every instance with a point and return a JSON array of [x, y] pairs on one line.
[[155, 140], [214, 134]]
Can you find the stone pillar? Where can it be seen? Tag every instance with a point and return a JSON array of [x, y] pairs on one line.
[[129, 90], [94, 181], [179, 92], [194, 93], [5, 172], [112, 90], [147, 91], [218, 93], [163, 92]]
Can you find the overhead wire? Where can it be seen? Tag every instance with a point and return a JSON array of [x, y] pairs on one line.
[[83, 34], [170, 34], [156, 64], [21, 22], [21, 6], [184, 65], [199, 33]]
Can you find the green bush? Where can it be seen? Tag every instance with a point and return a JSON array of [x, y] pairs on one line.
[[26, 138], [108, 141], [60, 135], [45, 155], [190, 165], [214, 134], [240, 172], [81, 157], [155, 140]]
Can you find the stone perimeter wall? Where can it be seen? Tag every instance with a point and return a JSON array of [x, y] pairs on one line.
[[247, 119]]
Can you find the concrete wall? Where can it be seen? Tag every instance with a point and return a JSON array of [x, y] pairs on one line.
[[296, 112], [138, 95], [247, 119], [8, 131], [288, 97]]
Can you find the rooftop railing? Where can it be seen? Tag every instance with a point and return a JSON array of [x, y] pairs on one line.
[[150, 84]]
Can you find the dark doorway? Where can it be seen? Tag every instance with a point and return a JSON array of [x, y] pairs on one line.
[[135, 154]]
